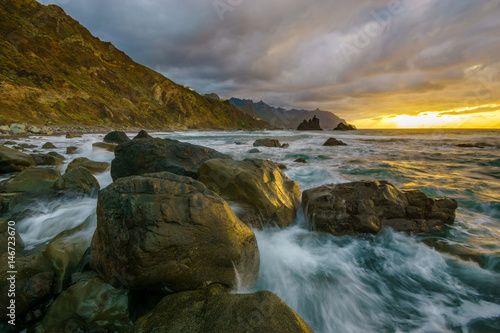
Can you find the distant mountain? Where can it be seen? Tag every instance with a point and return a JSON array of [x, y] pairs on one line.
[[280, 117], [53, 69]]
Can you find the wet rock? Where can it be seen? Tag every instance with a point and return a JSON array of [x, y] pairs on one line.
[[267, 143], [51, 158], [285, 145], [48, 145], [333, 142], [10, 143], [72, 150], [368, 206], [78, 179], [345, 127], [254, 151], [282, 166], [301, 160], [106, 146], [72, 136], [142, 156], [12, 160], [33, 179], [311, 125], [18, 128], [25, 146], [34, 130], [34, 281], [169, 233], [116, 137], [88, 306], [7, 236], [66, 250], [93, 166], [216, 310], [142, 135], [267, 196]]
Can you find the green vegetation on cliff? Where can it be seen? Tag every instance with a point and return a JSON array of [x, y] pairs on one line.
[[53, 69]]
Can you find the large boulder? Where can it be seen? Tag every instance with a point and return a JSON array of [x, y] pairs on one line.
[[93, 166], [216, 310], [18, 128], [33, 280], [116, 137], [310, 125], [88, 306], [32, 179], [267, 196], [368, 206], [78, 179], [12, 160], [141, 156], [167, 232], [66, 250]]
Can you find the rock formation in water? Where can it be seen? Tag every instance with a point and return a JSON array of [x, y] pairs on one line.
[[310, 125], [368, 206], [345, 127]]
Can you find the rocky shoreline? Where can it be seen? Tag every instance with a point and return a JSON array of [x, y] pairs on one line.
[[167, 230]]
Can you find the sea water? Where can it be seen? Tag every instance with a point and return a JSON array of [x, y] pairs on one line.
[[389, 282]]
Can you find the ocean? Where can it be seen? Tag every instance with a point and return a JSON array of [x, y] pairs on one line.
[[389, 282]]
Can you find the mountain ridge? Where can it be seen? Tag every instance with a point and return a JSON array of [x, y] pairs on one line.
[[280, 117], [53, 69]]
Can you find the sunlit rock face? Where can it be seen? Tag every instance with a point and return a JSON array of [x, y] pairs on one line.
[[368, 206], [259, 187], [170, 233]]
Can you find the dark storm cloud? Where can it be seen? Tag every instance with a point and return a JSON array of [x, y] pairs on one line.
[[353, 57]]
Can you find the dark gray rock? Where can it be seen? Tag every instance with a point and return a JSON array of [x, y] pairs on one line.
[[142, 156], [116, 137], [368, 206]]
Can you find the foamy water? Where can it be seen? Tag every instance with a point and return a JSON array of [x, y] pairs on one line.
[[389, 282]]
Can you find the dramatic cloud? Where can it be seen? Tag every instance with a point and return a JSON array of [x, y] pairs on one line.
[[360, 59]]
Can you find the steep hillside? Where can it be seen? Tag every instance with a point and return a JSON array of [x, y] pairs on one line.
[[53, 69], [280, 117]]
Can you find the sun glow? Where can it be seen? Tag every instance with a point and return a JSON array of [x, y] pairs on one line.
[[459, 118]]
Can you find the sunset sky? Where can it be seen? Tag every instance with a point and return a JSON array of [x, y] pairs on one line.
[[378, 64]]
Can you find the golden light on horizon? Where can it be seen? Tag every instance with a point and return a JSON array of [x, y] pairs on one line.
[[459, 118]]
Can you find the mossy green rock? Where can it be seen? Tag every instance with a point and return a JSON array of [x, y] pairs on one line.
[[216, 310], [93, 166], [66, 250], [34, 281], [267, 196], [12, 160], [78, 179], [88, 306], [170, 233], [33, 179]]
